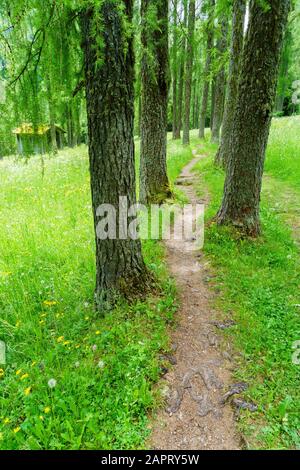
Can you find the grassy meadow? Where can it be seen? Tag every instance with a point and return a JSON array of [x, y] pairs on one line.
[[102, 369], [259, 283]]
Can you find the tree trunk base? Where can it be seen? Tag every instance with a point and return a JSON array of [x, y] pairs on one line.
[[248, 226], [129, 289]]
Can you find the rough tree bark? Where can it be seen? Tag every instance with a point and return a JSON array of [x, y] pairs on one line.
[[51, 115], [236, 50], [175, 68], [253, 115], [220, 84], [154, 184], [110, 110], [189, 72], [209, 47], [181, 74]]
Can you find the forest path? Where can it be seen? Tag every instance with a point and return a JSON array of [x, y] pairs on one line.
[[195, 417]]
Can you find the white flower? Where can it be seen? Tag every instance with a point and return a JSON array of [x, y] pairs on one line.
[[101, 364], [52, 383]]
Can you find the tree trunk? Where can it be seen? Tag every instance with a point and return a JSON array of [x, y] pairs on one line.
[[209, 47], [220, 84], [236, 51], [175, 67], [110, 110], [154, 184], [212, 101], [189, 72], [283, 70], [51, 116], [253, 115], [181, 75]]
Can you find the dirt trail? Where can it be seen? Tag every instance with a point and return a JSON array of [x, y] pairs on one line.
[[194, 417]]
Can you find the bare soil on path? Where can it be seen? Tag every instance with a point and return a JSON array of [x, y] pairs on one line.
[[197, 414]]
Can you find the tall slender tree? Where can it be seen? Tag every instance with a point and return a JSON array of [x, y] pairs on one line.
[[220, 81], [209, 46], [154, 184], [236, 50], [253, 115], [109, 78], [181, 71], [189, 72]]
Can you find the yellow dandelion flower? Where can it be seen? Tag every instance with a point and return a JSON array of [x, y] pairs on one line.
[[27, 391], [19, 372], [49, 303], [6, 421], [47, 409], [60, 339], [1, 373], [98, 332], [24, 376], [17, 429]]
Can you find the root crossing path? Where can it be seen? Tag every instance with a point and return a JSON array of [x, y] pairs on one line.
[[195, 416]]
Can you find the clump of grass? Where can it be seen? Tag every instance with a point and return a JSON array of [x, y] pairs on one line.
[[103, 369]]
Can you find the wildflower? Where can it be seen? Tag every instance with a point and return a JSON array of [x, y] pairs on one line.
[[6, 421], [17, 429], [60, 339], [47, 409], [101, 365], [98, 332], [18, 372], [94, 347], [52, 383], [24, 376], [1, 373], [27, 391], [49, 303]]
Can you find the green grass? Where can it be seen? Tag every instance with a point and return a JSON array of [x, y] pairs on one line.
[[259, 283], [283, 154], [104, 368]]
